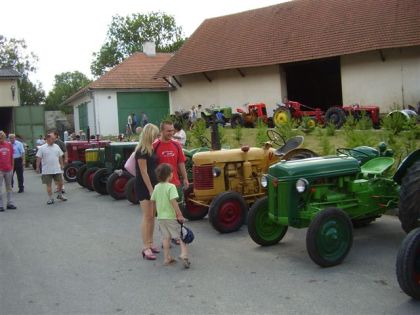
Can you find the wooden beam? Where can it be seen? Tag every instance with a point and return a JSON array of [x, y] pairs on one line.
[[207, 77], [381, 53], [169, 82], [177, 81], [241, 72]]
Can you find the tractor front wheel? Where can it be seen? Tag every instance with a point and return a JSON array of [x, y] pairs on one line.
[[88, 177], [79, 175], [281, 116], [130, 191], [409, 211], [116, 185], [227, 212], [191, 210], [408, 264], [329, 237], [335, 116], [70, 172], [262, 230], [99, 181]]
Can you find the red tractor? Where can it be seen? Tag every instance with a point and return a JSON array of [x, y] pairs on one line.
[[250, 118], [335, 115], [76, 155]]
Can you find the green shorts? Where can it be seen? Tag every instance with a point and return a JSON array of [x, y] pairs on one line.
[[47, 178]]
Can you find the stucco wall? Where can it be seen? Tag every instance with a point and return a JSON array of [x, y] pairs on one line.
[[228, 87], [6, 97], [366, 79], [106, 112]]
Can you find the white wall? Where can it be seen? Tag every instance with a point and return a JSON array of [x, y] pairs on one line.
[[366, 79], [6, 96], [229, 88], [106, 111]]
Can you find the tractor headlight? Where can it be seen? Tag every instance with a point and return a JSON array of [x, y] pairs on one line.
[[264, 181], [302, 185], [216, 171]]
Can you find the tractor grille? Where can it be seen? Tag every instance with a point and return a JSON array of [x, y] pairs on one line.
[[203, 177]]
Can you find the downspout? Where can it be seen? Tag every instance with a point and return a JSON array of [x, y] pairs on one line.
[[94, 111]]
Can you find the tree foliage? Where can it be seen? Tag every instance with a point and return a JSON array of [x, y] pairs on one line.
[[66, 84], [126, 35], [14, 54]]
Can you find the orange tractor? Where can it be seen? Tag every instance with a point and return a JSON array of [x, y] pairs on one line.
[[249, 118]]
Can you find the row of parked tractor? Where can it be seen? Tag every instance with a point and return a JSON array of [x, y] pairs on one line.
[[307, 116], [277, 186]]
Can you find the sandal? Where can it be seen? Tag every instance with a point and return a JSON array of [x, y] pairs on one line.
[[171, 261], [148, 256], [154, 249], [185, 261]]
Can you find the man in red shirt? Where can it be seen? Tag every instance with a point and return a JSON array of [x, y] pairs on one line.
[[6, 171], [169, 151]]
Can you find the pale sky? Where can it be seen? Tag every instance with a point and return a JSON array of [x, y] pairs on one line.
[[64, 34]]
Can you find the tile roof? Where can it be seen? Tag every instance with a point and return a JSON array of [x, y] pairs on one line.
[[9, 73], [136, 72], [296, 31]]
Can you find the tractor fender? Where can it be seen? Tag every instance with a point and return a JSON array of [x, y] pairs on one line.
[[405, 164]]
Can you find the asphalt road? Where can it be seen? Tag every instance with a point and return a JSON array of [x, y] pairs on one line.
[[81, 257]]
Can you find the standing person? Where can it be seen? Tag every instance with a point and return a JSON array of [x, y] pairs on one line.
[[40, 141], [63, 148], [129, 123], [6, 171], [180, 134], [170, 151], [144, 119], [145, 181], [193, 115], [169, 215], [51, 157], [135, 122], [19, 160]]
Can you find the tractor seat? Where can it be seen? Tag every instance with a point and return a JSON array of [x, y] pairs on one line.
[[291, 144], [377, 165]]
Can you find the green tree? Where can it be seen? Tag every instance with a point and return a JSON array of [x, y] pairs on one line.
[[126, 35], [66, 84], [14, 54]]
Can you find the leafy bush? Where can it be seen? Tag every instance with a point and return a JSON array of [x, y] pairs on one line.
[[324, 142], [238, 134], [261, 136], [330, 129], [197, 134], [395, 122], [287, 130]]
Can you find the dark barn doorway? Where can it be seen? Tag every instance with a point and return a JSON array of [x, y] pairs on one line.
[[6, 117], [315, 83]]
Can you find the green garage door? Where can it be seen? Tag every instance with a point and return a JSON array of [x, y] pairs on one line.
[[154, 104], [29, 123], [83, 117]]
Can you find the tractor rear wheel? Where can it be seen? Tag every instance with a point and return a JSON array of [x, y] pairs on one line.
[[329, 237], [115, 185], [281, 116], [130, 191], [409, 211], [227, 212], [335, 116], [236, 121], [262, 230], [88, 177], [191, 210], [408, 264], [79, 175], [99, 181], [70, 172]]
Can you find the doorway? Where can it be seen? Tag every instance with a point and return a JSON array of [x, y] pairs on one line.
[[6, 119]]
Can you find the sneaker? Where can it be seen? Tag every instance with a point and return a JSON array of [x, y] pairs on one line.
[[20, 191], [11, 207], [1, 209], [62, 198], [50, 202]]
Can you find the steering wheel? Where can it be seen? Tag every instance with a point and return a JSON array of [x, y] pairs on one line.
[[351, 152], [275, 137], [205, 141]]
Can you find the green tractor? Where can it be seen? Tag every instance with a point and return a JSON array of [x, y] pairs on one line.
[[222, 115], [331, 195], [112, 177]]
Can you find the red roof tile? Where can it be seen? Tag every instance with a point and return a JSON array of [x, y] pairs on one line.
[[296, 31]]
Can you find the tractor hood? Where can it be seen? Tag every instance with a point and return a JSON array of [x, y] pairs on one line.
[[318, 167], [233, 155]]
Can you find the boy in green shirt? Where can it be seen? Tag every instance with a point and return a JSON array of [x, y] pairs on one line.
[[169, 215]]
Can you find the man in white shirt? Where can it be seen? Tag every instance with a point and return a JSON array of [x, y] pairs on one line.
[[179, 134], [51, 157]]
